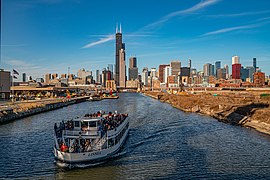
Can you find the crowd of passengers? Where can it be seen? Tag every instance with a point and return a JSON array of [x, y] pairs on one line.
[[111, 121], [77, 146]]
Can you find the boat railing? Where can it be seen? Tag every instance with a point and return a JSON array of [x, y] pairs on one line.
[[97, 145], [83, 133]]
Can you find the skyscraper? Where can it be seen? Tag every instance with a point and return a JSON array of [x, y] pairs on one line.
[[236, 67], [207, 69], [218, 66], [118, 47], [132, 70], [176, 67], [189, 63], [122, 68], [255, 64], [161, 72], [48, 77], [97, 76], [132, 62], [167, 73], [110, 68], [145, 76], [153, 72], [24, 77], [226, 67]]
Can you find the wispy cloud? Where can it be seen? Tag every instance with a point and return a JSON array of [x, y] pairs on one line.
[[199, 6], [20, 64], [238, 14], [100, 41], [225, 30], [262, 19]]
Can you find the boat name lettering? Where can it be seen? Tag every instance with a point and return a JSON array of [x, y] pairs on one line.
[[94, 153]]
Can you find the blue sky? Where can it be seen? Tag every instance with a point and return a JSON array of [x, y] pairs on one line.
[[48, 36]]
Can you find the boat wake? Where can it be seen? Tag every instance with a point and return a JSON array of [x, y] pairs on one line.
[[78, 165]]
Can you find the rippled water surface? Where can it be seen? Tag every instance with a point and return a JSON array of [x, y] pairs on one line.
[[163, 143]]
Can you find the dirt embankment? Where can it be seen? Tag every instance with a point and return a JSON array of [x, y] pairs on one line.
[[237, 108]]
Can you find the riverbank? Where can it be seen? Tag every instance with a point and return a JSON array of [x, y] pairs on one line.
[[238, 108], [13, 111]]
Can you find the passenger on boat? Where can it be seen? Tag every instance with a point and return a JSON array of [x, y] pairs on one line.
[[64, 148]]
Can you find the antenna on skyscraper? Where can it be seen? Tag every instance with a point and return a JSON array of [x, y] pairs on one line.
[[116, 29], [120, 28]]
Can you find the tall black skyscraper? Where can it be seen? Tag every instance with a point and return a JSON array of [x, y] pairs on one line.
[[255, 64], [118, 46]]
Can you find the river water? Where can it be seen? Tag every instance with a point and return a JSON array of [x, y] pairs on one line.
[[163, 143]]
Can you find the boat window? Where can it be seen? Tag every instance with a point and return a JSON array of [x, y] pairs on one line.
[[76, 123], [84, 124], [92, 124]]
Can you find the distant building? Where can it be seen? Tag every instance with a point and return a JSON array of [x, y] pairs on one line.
[[167, 73], [54, 76], [132, 70], [39, 80], [255, 64], [207, 69], [251, 72], [122, 68], [153, 72], [106, 75], [226, 67], [97, 76], [71, 77], [133, 62], [185, 71], [236, 71], [175, 66], [235, 60], [133, 73], [236, 67], [189, 63], [259, 79], [244, 74], [23, 77], [221, 73], [110, 68], [47, 78], [5, 82], [161, 72], [63, 76], [110, 84], [132, 84], [82, 74], [144, 76], [172, 81], [29, 78], [217, 66]]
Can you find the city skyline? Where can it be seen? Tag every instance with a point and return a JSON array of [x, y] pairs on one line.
[[40, 37]]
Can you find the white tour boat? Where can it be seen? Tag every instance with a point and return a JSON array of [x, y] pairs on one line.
[[94, 137]]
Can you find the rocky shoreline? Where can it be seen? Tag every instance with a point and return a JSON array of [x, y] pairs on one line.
[[24, 109], [236, 108]]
